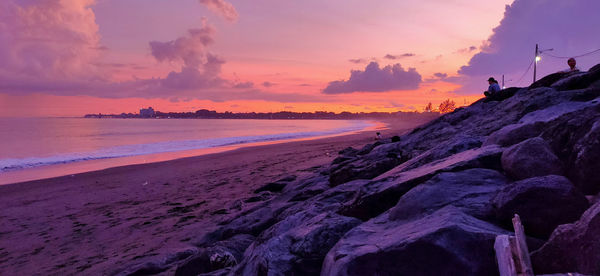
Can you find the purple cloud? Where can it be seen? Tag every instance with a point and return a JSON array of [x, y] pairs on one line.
[[569, 27], [49, 40], [437, 77], [440, 75], [396, 104], [467, 50], [244, 85], [394, 57], [222, 7], [193, 78], [357, 60], [200, 69], [267, 84], [375, 79], [190, 49]]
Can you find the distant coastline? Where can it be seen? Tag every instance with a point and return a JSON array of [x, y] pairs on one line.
[[149, 113]]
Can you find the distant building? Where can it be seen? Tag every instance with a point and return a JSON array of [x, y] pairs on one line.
[[147, 112]]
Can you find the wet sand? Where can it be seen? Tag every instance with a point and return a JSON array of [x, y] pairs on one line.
[[101, 222]]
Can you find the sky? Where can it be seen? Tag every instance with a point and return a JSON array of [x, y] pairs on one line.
[[73, 57]]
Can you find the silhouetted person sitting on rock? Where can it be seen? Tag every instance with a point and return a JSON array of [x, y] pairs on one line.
[[493, 88], [572, 68]]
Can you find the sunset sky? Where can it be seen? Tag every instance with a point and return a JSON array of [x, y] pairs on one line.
[[72, 57]]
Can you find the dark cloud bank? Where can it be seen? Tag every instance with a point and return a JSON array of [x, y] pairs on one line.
[[569, 27]]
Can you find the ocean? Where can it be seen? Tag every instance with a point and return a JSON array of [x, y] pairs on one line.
[[35, 148]]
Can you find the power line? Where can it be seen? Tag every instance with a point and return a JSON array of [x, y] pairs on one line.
[[526, 71], [578, 56]]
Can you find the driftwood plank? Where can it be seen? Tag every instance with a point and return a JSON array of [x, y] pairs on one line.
[[564, 274], [506, 264], [522, 251]]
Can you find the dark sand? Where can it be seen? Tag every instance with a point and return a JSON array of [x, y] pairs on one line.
[[104, 221]]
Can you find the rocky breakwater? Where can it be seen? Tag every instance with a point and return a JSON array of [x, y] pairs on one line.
[[433, 202]]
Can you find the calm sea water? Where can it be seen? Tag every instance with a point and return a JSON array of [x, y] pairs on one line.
[[36, 142]]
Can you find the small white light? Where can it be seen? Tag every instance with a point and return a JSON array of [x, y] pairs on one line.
[[538, 58]]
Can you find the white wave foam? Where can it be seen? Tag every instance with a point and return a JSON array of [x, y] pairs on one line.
[[12, 164]]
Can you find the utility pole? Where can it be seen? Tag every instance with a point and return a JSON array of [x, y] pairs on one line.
[[502, 81], [535, 62], [538, 52]]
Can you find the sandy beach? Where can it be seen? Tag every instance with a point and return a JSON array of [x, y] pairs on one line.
[[103, 221]]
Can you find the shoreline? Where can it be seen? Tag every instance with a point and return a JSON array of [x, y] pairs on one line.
[[72, 168], [102, 222]]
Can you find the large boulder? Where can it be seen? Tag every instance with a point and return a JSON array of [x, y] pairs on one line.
[[470, 190], [578, 80], [514, 134], [585, 169], [530, 158], [276, 186], [552, 112], [383, 192], [543, 203], [447, 242], [459, 144], [252, 222], [572, 247], [548, 80], [378, 159], [361, 169], [295, 246], [574, 138], [220, 255]]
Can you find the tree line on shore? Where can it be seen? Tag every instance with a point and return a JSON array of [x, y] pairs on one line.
[[211, 114]]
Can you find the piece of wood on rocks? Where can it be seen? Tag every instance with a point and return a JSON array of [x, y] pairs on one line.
[[564, 274], [512, 252], [506, 264], [521, 246]]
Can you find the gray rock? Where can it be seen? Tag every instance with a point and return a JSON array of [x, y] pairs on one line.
[[276, 186], [367, 167], [470, 191], [515, 133], [543, 203], [220, 255], [585, 169], [349, 151], [553, 112], [530, 158], [447, 242], [253, 222], [459, 144], [578, 81], [574, 138], [385, 149], [548, 80], [262, 196], [572, 247], [384, 191], [368, 148], [295, 246]]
